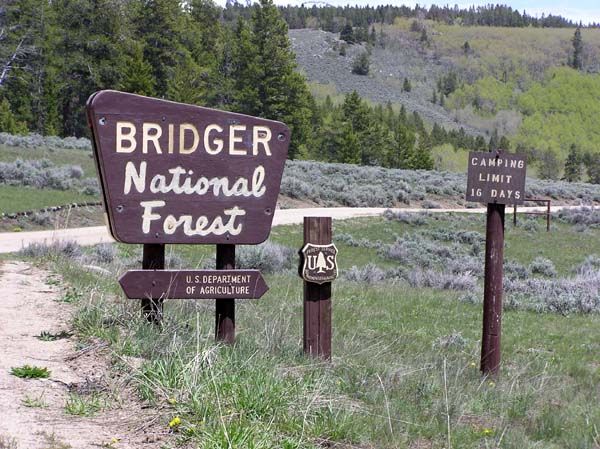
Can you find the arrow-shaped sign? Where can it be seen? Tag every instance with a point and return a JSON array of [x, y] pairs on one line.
[[193, 284]]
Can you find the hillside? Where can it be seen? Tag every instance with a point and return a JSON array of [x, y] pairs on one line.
[[513, 82]]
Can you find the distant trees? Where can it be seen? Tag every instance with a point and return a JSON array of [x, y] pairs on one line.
[[333, 18], [576, 61], [406, 85]]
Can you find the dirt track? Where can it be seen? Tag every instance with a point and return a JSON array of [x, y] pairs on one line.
[[12, 241], [32, 411]]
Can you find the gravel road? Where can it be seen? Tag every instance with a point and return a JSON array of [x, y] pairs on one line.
[[12, 241]]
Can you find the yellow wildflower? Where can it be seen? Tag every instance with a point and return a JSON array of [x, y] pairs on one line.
[[172, 401], [175, 422], [487, 432]]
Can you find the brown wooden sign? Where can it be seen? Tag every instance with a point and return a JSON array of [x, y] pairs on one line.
[[176, 173], [193, 284], [496, 177], [319, 263]]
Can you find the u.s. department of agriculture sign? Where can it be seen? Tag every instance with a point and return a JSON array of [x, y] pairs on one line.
[[319, 263], [176, 173]]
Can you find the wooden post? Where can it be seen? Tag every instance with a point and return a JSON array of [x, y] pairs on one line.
[[153, 258], [317, 297], [225, 308], [492, 290], [548, 217]]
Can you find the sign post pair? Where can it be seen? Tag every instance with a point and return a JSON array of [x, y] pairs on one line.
[[496, 178], [173, 173]]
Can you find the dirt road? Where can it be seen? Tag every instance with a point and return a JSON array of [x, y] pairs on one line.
[[13, 241], [34, 412]]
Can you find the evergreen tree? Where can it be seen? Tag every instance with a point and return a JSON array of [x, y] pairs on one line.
[[466, 48], [573, 165], [137, 74], [361, 64], [349, 151], [88, 55], [8, 123], [434, 99], [406, 86], [347, 34], [282, 92], [401, 155], [577, 60], [160, 28]]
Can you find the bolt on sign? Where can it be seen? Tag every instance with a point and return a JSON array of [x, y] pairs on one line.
[[319, 263], [496, 177], [177, 173]]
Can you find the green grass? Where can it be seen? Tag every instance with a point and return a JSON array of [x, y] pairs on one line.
[[405, 368], [84, 405], [17, 199], [30, 372]]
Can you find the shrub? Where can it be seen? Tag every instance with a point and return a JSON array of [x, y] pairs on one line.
[[543, 267], [38, 250], [369, 274], [427, 204], [39, 174], [268, 257], [104, 253]]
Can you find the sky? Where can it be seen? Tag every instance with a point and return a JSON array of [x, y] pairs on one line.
[[577, 10]]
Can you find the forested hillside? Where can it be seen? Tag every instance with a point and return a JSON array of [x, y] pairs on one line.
[[392, 86], [531, 88]]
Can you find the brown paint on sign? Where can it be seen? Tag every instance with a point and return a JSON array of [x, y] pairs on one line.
[[193, 284], [496, 177], [176, 173]]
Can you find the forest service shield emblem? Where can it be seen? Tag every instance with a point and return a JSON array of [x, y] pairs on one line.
[[319, 263]]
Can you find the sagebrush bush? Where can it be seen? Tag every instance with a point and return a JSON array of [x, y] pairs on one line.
[[368, 274], [268, 257], [39, 141], [67, 248], [543, 267], [39, 174]]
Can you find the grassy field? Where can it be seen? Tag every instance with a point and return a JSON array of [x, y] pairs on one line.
[[17, 198], [405, 360]]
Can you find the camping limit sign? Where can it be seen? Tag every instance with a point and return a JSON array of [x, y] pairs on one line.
[[496, 177], [319, 263]]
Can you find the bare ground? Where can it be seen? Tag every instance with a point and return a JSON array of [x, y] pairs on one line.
[[32, 411]]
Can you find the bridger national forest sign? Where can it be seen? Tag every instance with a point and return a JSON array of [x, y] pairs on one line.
[[176, 173], [496, 177]]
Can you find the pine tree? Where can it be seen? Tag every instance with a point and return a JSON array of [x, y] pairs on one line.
[[577, 60], [406, 86], [347, 34], [137, 74], [88, 56], [434, 99], [282, 92], [8, 123], [361, 64], [466, 48], [160, 27], [573, 165]]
